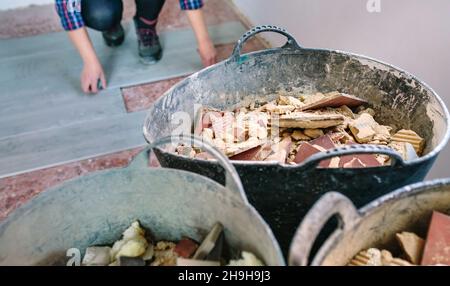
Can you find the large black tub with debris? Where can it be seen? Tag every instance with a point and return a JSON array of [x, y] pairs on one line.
[[283, 193], [94, 210]]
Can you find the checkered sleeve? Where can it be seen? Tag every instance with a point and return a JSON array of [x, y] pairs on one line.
[[70, 13], [191, 4]]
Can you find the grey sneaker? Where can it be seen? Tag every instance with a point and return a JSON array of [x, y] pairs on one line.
[[150, 50], [114, 37]]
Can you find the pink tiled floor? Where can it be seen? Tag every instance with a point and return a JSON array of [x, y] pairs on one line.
[[36, 20], [14, 191]]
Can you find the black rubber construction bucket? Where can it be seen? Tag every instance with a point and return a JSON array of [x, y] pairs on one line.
[[283, 194], [375, 225], [96, 209]]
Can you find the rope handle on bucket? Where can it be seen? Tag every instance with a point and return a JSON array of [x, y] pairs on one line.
[[329, 205], [313, 161], [233, 181], [291, 42]]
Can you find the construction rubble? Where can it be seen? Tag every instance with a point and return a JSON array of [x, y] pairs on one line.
[[136, 248], [414, 249], [291, 129]]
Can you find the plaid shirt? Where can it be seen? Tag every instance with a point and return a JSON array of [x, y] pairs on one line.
[[70, 11]]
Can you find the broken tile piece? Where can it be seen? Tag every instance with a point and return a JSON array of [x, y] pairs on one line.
[[306, 150], [354, 163], [164, 254], [250, 155], [186, 151], [412, 246], [208, 135], [233, 149], [299, 135], [333, 99], [437, 245], [314, 133], [324, 142], [308, 120], [290, 100], [279, 109], [388, 260], [370, 257], [368, 160], [185, 248], [363, 128], [280, 151], [411, 137]]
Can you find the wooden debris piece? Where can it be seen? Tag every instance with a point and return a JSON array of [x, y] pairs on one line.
[[192, 262], [209, 242], [437, 246], [308, 120], [333, 99], [411, 137], [412, 246]]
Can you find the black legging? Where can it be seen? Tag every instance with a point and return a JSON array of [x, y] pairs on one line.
[[104, 15]]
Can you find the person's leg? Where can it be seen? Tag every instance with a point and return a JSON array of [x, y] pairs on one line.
[[147, 11], [105, 16], [146, 18]]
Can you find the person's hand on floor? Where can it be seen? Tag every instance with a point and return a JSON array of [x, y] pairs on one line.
[[91, 76], [208, 53]]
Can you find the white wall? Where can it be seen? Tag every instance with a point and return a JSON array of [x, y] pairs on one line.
[[412, 34], [11, 4]]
